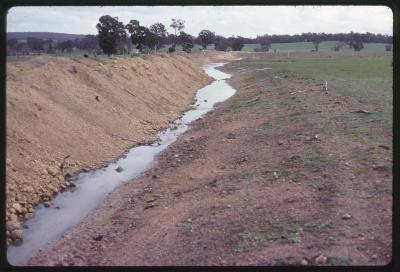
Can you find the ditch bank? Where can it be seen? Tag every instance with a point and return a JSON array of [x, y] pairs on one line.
[[71, 207], [65, 116]]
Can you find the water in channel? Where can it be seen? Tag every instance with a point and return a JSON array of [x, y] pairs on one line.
[[70, 207]]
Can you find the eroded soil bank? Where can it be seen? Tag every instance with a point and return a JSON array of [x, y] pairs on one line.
[[88, 110], [277, 175]]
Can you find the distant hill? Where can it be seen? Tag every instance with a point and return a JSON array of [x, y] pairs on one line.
[[60, 37]]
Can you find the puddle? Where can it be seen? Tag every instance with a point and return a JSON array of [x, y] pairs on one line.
[[69, 208]]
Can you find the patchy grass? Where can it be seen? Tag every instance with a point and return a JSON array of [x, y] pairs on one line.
[[17, 58], [251, 239], [317, 160], [369, 79]]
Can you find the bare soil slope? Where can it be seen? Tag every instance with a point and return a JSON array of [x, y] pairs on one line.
[[90, 110]]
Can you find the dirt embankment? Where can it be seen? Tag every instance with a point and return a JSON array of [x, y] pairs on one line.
[[88, 110], [259, 181]]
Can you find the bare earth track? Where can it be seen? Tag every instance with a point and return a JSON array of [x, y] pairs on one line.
[[259, 181]]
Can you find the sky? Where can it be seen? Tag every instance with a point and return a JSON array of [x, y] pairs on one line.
[[247, 21]]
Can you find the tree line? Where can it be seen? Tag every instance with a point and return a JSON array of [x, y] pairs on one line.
[[116, 38]]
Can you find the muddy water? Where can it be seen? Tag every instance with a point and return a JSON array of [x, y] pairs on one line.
[[69, 208]]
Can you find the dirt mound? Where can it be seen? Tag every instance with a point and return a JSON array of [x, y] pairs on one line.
[[218, 56], [88, 111]]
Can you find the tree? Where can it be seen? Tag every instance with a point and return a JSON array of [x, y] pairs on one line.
[[177, 25], [265, 42], [316, 39], [158, 29], [48, 46], [152, 40], [355, 41], [89, 43], [11, 43], [139, 34], [236, 43], [66, 46], [12, 46], [206, 37], [111, 31], [35, 44], [187, 41], [221, 43], [338, 46]]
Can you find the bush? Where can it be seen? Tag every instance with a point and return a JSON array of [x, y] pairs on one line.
[[171, 49], [187, 47], [338, 46]]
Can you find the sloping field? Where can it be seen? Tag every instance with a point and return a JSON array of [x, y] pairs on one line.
[[88, 110]]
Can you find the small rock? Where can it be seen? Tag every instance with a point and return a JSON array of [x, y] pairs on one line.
[[154, 176], [205, 100], [47, 204], [12, 225], [231, 136], [151, 200], [28, 215], [98, 238], [13, 217], [52, 171], [119, 169], [17, 207], [213, 183], [16, 234], [280, 142], [151, 205], [346, 216], [384, 147], [374, 257], [304, 262], [321, 259], [361, 111]]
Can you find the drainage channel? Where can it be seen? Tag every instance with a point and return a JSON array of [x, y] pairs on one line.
[[70, 207]]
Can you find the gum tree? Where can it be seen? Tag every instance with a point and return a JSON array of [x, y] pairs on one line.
[[111, 31]]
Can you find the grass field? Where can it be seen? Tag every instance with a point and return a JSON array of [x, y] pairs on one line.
[[368, 79], [308, 46], [360, 77], [279, 47]]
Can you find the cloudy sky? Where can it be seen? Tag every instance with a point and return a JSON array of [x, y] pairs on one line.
[[248, 21]]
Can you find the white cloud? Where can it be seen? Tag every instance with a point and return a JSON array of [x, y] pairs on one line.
[[247, 21]]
